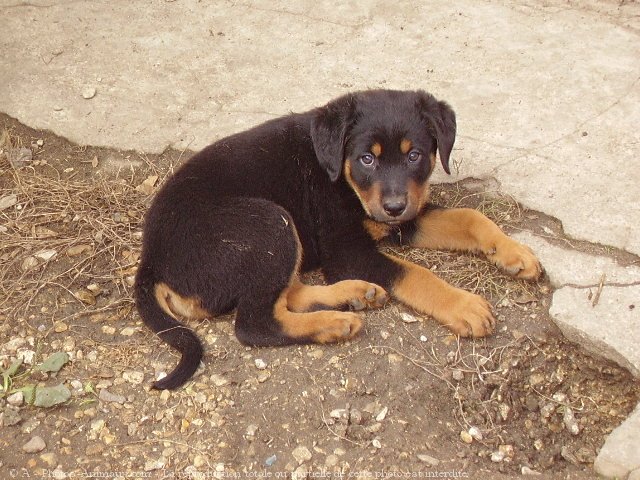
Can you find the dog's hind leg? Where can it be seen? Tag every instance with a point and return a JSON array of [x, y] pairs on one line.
[[271, 292]]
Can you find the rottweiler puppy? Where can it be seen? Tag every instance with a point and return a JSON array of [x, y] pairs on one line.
[[234, 226]]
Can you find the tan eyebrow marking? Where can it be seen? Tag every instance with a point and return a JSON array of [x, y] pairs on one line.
[[405, 145]]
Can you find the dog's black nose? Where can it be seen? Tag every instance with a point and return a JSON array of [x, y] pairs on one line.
[[394, 206]]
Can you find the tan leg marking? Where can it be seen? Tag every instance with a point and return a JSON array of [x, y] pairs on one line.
[[355, 293], [177, 306], [468, 229], [321, 327], [464, 313]]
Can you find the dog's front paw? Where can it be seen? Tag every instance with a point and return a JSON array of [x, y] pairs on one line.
[[515, 258], [364, 295], [466, 314], [338, 326]]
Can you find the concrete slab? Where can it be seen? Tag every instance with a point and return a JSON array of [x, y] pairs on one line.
[[620, 454], [546, 92], [608, 329]]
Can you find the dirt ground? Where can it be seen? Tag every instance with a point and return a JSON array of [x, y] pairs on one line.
[[404, 399]]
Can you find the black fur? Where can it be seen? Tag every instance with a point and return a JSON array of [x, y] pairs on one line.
[[223, 228]]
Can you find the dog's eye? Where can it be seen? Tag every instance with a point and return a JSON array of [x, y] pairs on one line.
[[367, 159], [414, 156]]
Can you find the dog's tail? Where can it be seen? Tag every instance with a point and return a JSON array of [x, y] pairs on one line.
[[168, 329]]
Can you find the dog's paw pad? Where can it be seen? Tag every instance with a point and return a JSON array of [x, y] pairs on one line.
[[340, 327]]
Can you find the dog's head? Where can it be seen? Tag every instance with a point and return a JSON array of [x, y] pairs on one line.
[[384, 143]]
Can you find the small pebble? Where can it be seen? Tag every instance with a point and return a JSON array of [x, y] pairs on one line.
[[338, 413], [506, 450], [527, 471], [260, 364], [76, 385], [8, 201], [355, 417], [475, 433], [15, 399], [504, 410], [301, 454], [497, 457], [560, 397], [408, 318], [35, 445], [570, 421], [382, 414], [547, 410], [428, 459], [88, 93], [60, 327], [97, 425], [107, 396], [451, 357], [270, 460], [251, 430], [466, 436], [458, 375]]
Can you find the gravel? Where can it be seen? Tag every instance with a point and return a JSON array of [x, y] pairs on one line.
[[35, 445]]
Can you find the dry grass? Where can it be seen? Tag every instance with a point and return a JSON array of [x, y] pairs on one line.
[[64, 235]]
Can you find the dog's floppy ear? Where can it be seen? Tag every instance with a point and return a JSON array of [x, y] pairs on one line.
[[329, 128], [442, 119]]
